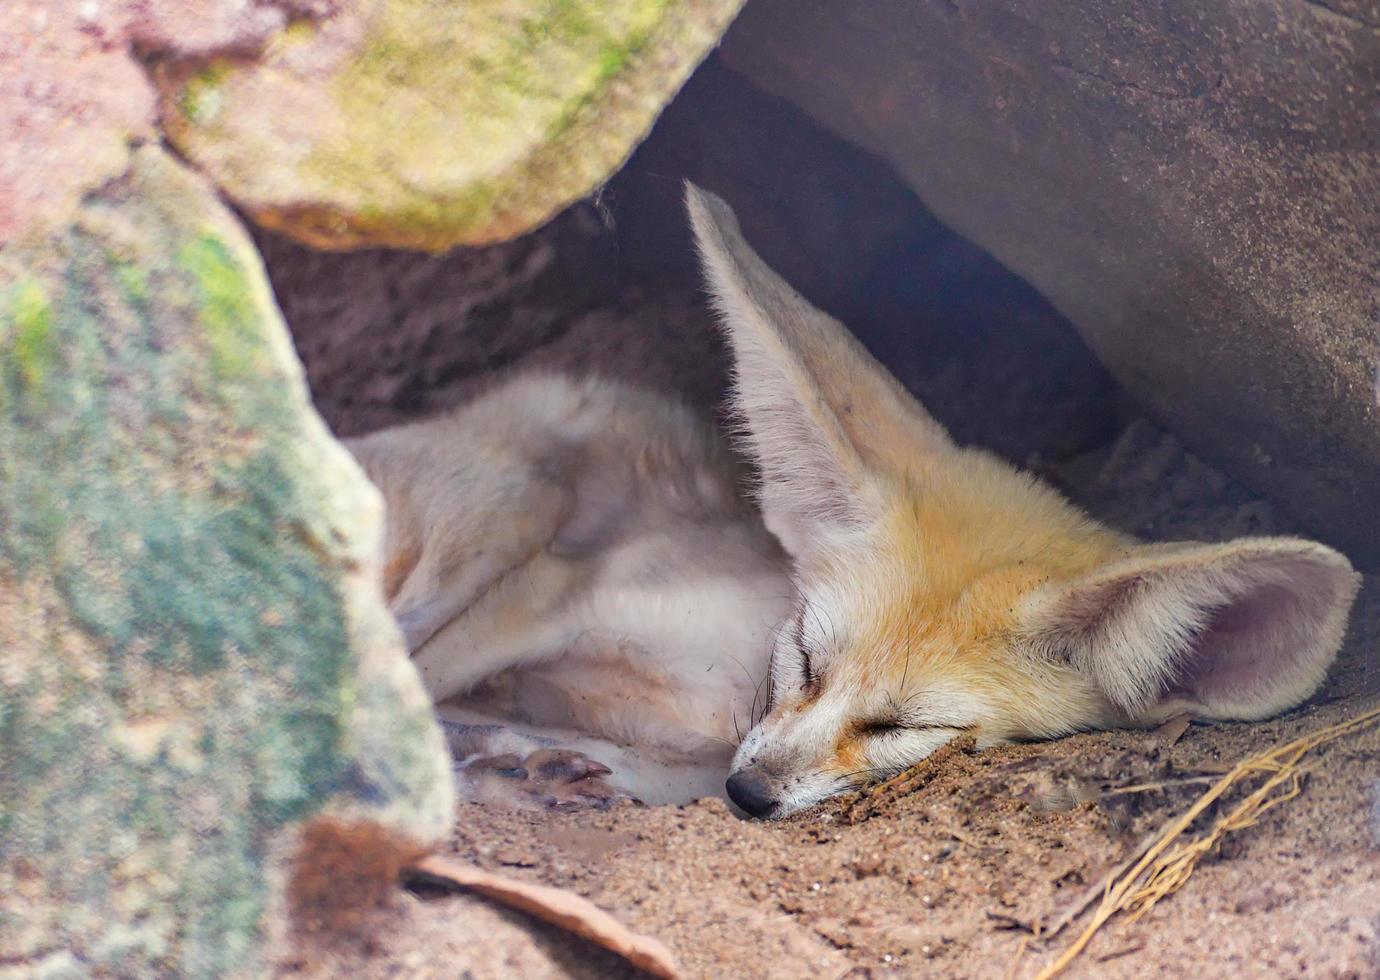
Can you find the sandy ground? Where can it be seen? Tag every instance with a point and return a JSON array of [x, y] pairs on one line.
[[939, 880], [946, 876]]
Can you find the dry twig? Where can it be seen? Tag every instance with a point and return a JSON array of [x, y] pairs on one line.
[[563, 909], [1153, 787], [1161, 871], [1009, 922], [1016, 960], [1098, 889]]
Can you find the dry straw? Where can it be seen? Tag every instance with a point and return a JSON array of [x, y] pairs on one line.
[[1164, 868]]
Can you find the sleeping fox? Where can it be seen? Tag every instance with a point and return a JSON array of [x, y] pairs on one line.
[[598, 611]]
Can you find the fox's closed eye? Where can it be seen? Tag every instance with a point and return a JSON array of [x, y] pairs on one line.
[[894, 726], [809, 679], [880, 727]]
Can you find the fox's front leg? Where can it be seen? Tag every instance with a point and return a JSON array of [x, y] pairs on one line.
[[471, 578], [461, 554], [523, 618], [497, 765]]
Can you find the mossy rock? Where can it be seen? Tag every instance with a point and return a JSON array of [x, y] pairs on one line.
[[427, 124], [197, 663]]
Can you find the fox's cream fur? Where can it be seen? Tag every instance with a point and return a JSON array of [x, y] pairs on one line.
[[572, 557]]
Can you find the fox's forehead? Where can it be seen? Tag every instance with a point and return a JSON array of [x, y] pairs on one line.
[[968, 519], [894, 596], [941, 580], [865, 630]]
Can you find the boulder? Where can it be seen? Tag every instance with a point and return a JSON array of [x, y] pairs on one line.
[[1196, 188], [427, 125], [74, 91], [382, 331], [611, 287], [198, 667]]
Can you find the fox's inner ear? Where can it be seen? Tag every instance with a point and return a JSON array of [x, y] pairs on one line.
[[821, 415], [1238, 631]]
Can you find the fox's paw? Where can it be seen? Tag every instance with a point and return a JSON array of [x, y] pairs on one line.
[[554, 779], [547, 779], [515, 770]]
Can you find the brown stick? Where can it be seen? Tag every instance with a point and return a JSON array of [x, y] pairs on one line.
[[560, 908]]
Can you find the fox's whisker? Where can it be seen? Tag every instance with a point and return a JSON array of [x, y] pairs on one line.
[[741, 666], [769, 681], [757, 693]]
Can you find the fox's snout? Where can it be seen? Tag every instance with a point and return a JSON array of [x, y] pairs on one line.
[[791, 760], [769, 788], [753, 791]]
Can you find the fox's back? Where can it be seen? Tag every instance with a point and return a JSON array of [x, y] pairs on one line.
[[671, 585]]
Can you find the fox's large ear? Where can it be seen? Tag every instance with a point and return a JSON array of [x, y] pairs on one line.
[[1231, 631], [821, 415]]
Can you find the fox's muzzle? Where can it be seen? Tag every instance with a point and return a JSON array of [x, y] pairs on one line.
[[752, 790]]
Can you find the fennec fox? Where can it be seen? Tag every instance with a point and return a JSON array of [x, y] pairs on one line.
[[590, 536], [582, 586]]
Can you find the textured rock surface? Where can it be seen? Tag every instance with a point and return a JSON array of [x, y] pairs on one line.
[[611, 287], [73, 93], [985, 352], [197, 661], [426, 125], [1196, 188], [381, 331]]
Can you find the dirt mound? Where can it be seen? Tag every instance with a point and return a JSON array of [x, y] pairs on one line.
[[947, 877]]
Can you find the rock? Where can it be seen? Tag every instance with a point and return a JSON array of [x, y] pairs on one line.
[[69, 104], [198, 666], [986, 354], [74, 93], [611, 287], [428, 125], [1197, 189], [382, 330]]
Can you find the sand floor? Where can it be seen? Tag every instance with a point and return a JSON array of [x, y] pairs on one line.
[[946, 876], [944, 879]]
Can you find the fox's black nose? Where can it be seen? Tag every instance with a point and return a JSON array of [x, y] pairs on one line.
[[751, 791]]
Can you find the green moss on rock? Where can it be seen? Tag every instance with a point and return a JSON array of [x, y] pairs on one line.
[[430, 125], [200, 99], [188, 630], [31, 347], [226, 306]]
